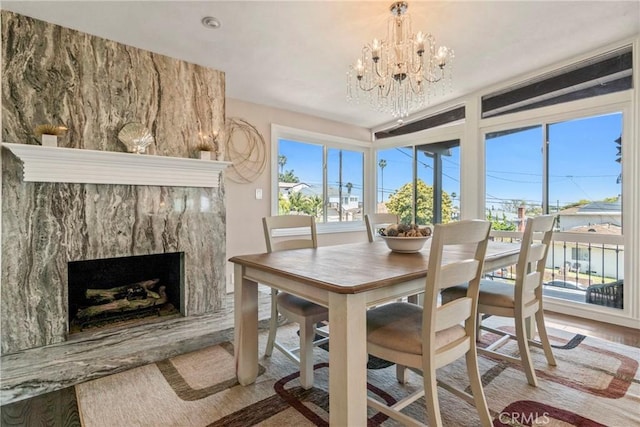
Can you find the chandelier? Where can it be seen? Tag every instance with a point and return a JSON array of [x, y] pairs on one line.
[[399, 74]]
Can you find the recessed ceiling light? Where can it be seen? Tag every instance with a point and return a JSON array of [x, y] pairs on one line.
[[211, 22]]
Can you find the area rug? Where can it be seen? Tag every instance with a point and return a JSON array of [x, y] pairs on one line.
[[595, 383]]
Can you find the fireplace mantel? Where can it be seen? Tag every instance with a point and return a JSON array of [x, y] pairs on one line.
[[72, 165]]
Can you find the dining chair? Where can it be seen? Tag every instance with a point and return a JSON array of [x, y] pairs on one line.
[[429, 337], [374, 220], [521, 301], [306, 313]]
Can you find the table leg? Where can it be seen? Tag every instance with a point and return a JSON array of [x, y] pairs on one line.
[[246, 327], [347, 360]]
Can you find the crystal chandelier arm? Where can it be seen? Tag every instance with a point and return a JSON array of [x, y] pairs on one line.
[[366, 88], [386, 88], [418, 86]]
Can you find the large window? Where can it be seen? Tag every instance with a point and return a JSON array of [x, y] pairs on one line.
[[571, 169], [319, 178], [420, 183]]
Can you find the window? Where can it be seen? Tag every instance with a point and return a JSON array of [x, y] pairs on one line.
[[433, 170], [580, 254], [571, 169], [319, 175]]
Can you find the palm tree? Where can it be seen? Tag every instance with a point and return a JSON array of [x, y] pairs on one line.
[[282, 160], [619, 156], [383, 164]]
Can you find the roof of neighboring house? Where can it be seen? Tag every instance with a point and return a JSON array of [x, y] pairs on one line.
[[316, 190], [597, 228], [292, 186], [595, 208]]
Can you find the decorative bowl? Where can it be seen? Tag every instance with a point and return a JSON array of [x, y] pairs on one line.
[[405, 245]]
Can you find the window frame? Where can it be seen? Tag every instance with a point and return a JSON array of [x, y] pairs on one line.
[[619, 102], [606, 104], [327, 141], [451, 131]]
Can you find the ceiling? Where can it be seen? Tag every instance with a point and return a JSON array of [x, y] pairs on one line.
[[294, 54]]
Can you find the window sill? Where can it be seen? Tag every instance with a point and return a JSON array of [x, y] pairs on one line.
[[340, 227], [326, 228]]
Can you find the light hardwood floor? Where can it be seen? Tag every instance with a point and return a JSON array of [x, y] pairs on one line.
[[592, 328]]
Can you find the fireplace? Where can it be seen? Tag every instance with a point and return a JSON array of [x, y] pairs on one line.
[[120, 291]]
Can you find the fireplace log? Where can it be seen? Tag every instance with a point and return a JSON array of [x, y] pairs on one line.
[[133, 291], [123, 305]]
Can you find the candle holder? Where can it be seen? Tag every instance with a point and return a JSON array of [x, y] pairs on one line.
[[49, 134]]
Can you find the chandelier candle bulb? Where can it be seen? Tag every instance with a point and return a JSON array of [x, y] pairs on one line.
[[420, 43], [359, 68], [375, 50]]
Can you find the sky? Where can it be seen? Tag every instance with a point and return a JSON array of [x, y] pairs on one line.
[[582, 164]]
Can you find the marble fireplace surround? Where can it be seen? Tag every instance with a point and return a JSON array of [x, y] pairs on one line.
[[193, 199], [29, 370], [94, 87]]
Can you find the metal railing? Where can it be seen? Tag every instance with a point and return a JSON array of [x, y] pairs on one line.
[[581, 267]]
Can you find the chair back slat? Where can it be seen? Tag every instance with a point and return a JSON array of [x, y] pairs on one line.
[[286, 245], [453, 313], [458, 273], [530, 282], [537, 251], [465, 232], [302, 230], [529, 285]]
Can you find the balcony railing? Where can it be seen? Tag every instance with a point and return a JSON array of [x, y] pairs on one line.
[[581, 267]]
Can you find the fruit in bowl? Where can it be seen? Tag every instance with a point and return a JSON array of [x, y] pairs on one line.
[[405, 238]]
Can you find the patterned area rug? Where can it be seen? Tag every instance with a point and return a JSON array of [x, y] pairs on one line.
[[595, 383]]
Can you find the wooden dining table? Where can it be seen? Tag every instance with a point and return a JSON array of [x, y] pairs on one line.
[[347, 279]]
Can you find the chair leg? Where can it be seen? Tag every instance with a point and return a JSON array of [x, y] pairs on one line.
[[307, 334], [273, 323], [401, 373], [431, 396], [523, 347], [476, 387], [544, 338]]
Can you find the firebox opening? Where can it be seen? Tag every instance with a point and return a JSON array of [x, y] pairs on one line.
[[122, 291]]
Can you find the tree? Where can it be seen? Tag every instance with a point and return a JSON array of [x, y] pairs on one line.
[[308, 205], [619, 157], [284, 206], [288, 176], [383, 164], [512, 205], [401, 204], [282, 160], [532, 209], [501, 224]]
